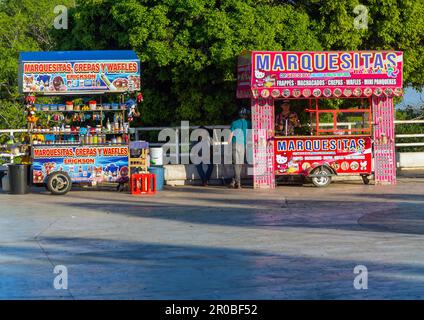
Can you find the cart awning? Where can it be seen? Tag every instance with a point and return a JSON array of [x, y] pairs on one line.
[[94, 55], [79, 72]]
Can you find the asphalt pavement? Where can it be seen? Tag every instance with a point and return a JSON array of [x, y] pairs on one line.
[[294, 242]]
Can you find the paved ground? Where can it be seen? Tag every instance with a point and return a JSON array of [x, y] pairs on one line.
[[214, 243]]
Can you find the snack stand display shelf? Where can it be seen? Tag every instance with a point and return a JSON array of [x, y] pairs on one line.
[[80, 142], [373, 78], [138, 159]]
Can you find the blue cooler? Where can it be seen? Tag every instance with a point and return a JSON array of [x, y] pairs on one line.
[[159, 171]]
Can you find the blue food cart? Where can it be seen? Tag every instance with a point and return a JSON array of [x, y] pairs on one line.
[[79, 105]]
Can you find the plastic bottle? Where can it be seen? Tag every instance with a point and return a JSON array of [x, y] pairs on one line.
[[108, 126]]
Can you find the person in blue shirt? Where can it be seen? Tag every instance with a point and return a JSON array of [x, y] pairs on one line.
[[238, 139]]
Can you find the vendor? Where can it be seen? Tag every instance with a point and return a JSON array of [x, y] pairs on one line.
[[286, 120]]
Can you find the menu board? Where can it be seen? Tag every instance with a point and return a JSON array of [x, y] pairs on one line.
[[59, 77], [79, 72]]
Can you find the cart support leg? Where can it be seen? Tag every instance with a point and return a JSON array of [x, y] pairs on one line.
[[384, 141], [263, 144]]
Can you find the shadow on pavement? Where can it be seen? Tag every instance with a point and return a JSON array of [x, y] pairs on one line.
[[115, 269], [385, 216]]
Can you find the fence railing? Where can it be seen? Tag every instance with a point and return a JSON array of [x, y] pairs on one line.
[[10, 133], [341, 125], [138, 132], [409, 135]]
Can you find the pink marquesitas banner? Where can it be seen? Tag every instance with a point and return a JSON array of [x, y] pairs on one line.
[[335, 74]]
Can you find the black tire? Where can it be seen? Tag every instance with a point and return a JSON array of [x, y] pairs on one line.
[[365, 179], [59, 183], [323, 181]]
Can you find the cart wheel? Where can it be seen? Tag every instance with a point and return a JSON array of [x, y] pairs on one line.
[[59, 183], [365, 179], [325, 178]]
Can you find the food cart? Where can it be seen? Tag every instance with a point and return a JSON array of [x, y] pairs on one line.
[[82, 137], [364, 147]]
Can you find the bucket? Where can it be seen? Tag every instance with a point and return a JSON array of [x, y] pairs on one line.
[[156, 156], [159, 171]]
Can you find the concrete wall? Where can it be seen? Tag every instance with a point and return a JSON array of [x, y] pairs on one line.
[[410, 160], [180, 174]]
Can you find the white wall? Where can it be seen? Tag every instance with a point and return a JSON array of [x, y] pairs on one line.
[[179, 174], [410, 160]]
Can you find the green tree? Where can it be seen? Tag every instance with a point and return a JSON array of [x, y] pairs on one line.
[[189, 48], [391, 25], [25, 25]]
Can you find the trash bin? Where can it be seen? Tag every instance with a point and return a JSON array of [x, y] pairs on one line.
[[18, 178], [159, 171]]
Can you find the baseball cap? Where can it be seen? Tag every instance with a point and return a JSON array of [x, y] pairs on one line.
[[243, 112]]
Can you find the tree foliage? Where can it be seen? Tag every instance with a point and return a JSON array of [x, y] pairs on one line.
[[390, 25], [25, 25], [188, 49]]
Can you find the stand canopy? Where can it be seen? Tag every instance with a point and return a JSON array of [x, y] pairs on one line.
[[79, 72]]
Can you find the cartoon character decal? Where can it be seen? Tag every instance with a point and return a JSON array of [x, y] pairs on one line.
[[281, 159], [49, 167], [43, 82], [282, 165], [110, 172], [259, 74], [123, 175], [58, 84], [29, 83], [38, 176]]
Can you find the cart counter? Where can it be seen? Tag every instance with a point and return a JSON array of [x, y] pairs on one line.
[[344, 154]]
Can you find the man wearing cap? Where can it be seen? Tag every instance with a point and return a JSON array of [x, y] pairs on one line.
[[286, 120], [238, 139]]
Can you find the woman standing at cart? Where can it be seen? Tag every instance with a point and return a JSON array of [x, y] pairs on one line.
[[238, 139], [286, 121]]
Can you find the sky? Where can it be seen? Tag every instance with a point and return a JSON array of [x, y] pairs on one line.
[[411, 97]]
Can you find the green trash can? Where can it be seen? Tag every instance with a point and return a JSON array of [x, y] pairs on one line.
[[18, 177]]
